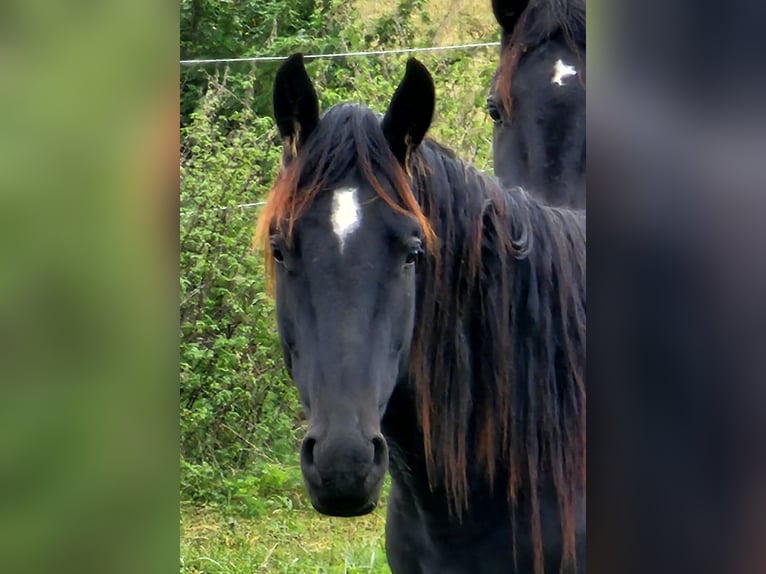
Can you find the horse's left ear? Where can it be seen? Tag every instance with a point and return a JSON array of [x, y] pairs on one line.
[[410, 112], [296, 106]]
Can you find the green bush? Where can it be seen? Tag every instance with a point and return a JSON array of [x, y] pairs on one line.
[[241, 421]]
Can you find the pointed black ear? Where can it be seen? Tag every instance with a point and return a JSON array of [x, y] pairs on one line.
[[507, 12], [296, 107], [410, 112]]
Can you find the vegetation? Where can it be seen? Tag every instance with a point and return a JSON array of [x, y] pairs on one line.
[[244, 507]]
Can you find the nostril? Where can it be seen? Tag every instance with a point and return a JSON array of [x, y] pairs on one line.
[[380, 456], [307, 450]]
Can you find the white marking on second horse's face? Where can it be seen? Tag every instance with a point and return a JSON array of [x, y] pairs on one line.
[[346, 213], [561, 71]]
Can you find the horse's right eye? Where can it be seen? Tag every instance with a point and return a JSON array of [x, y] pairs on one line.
[[276, 249]]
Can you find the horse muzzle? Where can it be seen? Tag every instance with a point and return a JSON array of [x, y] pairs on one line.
[[344, 472]]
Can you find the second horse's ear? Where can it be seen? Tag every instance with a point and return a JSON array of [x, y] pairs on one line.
[[508, 12], [296, 107], [410, 112]]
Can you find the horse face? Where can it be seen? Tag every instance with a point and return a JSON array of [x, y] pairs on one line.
[[345, 295], [345, 278], [539, 143]]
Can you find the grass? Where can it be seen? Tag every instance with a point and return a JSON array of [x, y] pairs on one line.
[[261, 520], [286, 540]]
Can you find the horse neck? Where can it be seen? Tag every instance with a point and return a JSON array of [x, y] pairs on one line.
[[507, 292], [498, 350], [460, 201], [445, 185]]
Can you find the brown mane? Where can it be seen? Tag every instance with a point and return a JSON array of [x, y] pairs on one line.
[[502, 387], [509, 58]]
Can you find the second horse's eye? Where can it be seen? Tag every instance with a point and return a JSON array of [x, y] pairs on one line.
[[278, 256]]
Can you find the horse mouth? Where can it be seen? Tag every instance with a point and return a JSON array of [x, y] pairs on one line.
[[345, 503], [344, 509]]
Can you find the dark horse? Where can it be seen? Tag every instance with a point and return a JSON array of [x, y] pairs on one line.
[[433, 323], [537, 99]]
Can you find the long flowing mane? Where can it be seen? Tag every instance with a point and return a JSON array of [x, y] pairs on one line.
[[536, 22], [498, 356], [499, 349]]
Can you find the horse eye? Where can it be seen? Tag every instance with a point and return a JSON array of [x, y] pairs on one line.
[[276, 250], [493, 112], [413, 256]]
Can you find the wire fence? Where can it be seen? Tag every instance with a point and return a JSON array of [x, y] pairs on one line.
[[257, 59], [339, 54]]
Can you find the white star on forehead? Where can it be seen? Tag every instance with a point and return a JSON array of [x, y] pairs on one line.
[[346, 214], [562, 71]]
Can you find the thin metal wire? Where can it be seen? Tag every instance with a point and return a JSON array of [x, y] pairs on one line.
[[240, 206], [316, 56], [339, 55]]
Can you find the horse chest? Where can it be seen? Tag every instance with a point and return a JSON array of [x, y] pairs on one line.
[[421, 537]]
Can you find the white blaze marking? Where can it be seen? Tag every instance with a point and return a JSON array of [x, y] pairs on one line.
[[346, 214], [562, 71]]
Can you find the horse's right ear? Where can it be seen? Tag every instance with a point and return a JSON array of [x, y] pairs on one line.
[[296, 107], [410, 112], [508, 12]]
